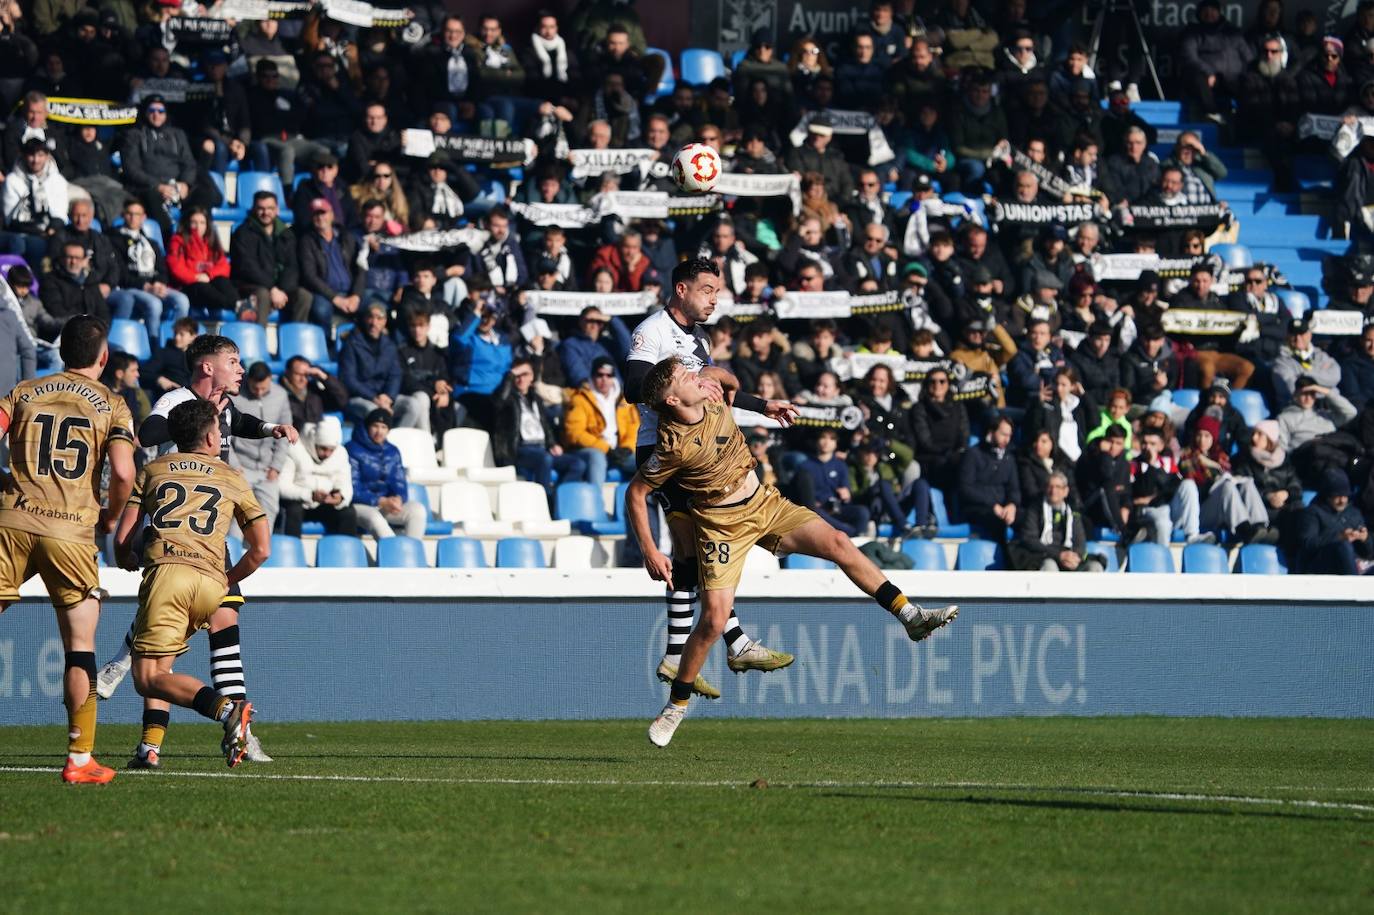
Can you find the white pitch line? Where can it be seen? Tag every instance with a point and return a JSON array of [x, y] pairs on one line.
[[740, 783]]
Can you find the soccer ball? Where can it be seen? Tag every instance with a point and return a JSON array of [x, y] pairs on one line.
[[696, 168]]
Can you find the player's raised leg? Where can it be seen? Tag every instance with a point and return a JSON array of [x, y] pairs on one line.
[[715, 612], [817, 538], [154, 678]]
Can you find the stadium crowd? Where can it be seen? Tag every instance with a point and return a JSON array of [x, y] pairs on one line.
[[960, 184]]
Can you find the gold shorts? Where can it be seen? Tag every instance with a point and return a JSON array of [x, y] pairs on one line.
[[173, 602], [726, 534], [68, 569]]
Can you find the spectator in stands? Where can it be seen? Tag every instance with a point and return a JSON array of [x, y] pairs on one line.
[[1315, 411], [316, 482], [199, 266], [1265, 462], [524, 436], [1051, 257], [816, 155], [1324, 85], [329, 268], [261, 459], [143, 276], [68, 290], [1273, 319], [1331, 535], [1211, 356], [1357, 369], [822, 484], [1040, 458], [869, 259], [160, 167], [1268, 106], [311, 392], [18, 351], [730, 255], [500, 256], [375, 141], [1149, 368], [381, 496], [1163, 501], [975, 127], [939, 431], [424, 375], [1097, 363], [983, 358], [479, 357], [1050, 536], [330, 107], [33, 125], [625, 261], [34, 203], [433, 203], [371, 371], [1129, 176], [1103, 475], [276, 117], [323, 184], [264, 263], [381, 185], [1216, 402], [577, 352], [80, 227], [551, 66], [1201, 170], [1212, 55], [386, 265], [1034, 366], [1118, 120], [1228, 502], [599, 426], [1064, 409], [40, 327], [168, 369], [1301, 358], [989, 488], [764, 354]]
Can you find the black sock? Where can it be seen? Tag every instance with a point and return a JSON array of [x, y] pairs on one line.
[[681, 691], [206, 703], [157, 717], [890, 598]]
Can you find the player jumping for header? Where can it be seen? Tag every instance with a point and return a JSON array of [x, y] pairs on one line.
[[700, 447]]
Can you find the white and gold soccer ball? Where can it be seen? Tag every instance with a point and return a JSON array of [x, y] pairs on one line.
[[696, 168]]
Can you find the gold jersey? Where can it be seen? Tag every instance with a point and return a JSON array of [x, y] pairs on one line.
[[60, 429], [190, 501], [709, 458]]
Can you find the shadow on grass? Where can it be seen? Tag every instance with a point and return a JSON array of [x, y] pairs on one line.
[[28, 758], [1106, 806]]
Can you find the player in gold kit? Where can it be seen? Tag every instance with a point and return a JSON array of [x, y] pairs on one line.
[[191, 498], [700, 447], [62, 428]]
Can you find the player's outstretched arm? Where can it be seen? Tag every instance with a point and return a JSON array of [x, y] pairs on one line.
[[659, 566], [121, 458], [129, 525], [257, 547]]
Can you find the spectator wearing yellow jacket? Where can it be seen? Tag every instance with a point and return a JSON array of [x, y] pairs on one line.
[[600, 425]]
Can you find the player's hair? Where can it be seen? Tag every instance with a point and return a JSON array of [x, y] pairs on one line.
[[259, 371], [82, 339], [688, 271], [207, 345], [189, 421], [657, 382]]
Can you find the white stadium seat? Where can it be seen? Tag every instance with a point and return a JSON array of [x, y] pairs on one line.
[[417, 453], [467, 504], [578, 553], [527, 505], [467, 452]]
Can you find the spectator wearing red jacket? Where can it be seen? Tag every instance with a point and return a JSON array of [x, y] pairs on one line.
[[198, 264], [626, 261]]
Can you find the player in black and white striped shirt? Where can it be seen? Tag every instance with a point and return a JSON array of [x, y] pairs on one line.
[[216, 374], [677, 331]]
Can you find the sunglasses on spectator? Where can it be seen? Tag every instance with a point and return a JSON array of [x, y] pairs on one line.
[[382, 175], [811, 50], [1254, 280], [521, 376], [1026, 48], [157, 109]]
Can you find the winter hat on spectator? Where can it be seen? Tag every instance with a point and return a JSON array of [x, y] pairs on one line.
[[1054, 230], [1220, 383], [378, 416], [915, 267], [980, 274], [1269, 428], [1153, 331], [1333, 42], [921, 183], [821, 126], [324, 159], [1210, 424], [1100, 329], [328, 433], [1298, 326], [1148, 281], [1335, 483], [1046, 280]]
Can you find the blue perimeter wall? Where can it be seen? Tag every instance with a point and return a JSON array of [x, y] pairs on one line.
[[488, 658]]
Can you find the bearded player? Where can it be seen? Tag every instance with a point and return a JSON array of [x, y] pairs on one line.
[[216, 373], [701, 448], [677, 331]]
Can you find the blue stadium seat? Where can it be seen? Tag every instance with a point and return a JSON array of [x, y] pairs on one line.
[[338, 551], [946, 529], [287, 553], [164, 331], [1106, 550], [926, 555], [460, 553], [401, 553], [1237, 257], [312, 528], [897, 200], [1204, 559], [668, 82], [306, 341], [1297, 302], [1261, 559], [519, 553], [802, 561], [581, 504], [1104, 535], [1149, 557], [1307, 496], [979, 556], [738, 55], [433, 526], [1250, 404], [251, 338], [130, 337], [1187, 398], [251, 182], [493, 194], [701, 65]]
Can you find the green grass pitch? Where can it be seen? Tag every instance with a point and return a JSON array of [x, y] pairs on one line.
[[1025, 815]]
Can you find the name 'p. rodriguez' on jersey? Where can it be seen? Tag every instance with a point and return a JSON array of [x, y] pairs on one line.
[[656, 338]]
